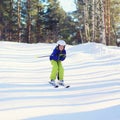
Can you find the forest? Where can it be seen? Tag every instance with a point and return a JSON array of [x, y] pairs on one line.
[[45, 21]]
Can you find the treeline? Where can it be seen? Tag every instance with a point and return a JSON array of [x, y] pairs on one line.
[[33, 21]]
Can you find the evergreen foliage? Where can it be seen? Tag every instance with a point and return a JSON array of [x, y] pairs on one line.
[[33, 21]]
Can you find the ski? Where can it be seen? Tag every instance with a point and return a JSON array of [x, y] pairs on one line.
[[59, 84], [53, 84], [62, 84]]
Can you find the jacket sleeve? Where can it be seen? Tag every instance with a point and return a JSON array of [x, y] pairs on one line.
[[54, 55]]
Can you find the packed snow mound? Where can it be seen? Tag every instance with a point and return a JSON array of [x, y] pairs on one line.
[[95, 48], [91, 51]]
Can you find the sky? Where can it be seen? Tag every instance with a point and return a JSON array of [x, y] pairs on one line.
[[68, 5]]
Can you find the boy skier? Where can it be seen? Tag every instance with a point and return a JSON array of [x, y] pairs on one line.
[[58, 55]]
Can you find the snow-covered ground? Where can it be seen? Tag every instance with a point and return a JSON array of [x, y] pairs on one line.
[[92, 70]]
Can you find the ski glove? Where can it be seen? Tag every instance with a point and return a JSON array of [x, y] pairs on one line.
[[62, 57]]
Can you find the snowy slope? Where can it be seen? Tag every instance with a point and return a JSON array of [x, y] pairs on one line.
[[92, 70]]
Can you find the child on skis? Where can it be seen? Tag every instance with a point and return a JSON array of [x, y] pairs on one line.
[[58, 55]]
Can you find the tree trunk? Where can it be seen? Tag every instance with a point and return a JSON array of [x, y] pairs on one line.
[[19, 22], [10, 21], [93, 20], [102, 29], [107, 21], [28, 22]]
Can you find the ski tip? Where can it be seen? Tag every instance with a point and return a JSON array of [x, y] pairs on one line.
[[67, 86], [56, 86]]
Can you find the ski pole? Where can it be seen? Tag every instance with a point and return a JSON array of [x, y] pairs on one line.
[[43, 56]]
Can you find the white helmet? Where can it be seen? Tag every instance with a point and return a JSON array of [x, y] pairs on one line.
[[61, 42]]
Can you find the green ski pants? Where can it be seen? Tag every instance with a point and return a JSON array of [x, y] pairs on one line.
[[57, 69]]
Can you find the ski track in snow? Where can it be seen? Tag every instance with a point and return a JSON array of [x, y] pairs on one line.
[[93, 74]]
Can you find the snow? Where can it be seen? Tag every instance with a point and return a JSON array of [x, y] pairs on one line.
[[92, 70]]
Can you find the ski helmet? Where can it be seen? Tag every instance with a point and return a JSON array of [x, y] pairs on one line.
[[61, 42]]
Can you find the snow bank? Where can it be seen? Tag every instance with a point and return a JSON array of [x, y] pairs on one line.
[[92, 70]]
